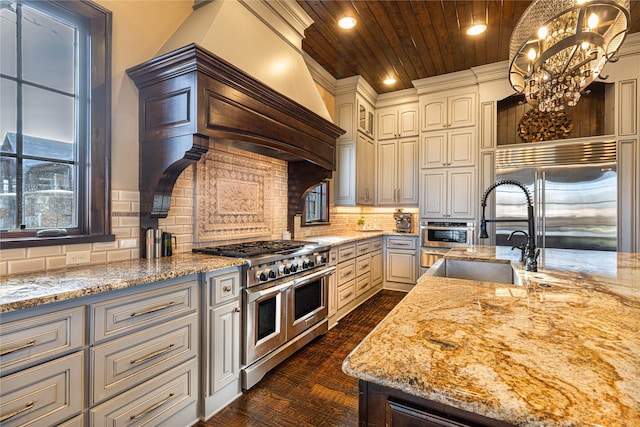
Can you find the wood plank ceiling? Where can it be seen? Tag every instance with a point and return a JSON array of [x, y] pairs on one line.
[[412, 39]]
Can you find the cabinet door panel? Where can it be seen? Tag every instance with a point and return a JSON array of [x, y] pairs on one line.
[[401, 266], [434, 149], [462, 110], [387, 125], [225, 345], [344, 182], [365, 174], [434, 114], [377, 268], [345, 115], [433, 194], [408, 121], [408, 171], [461, 148], [461, 187], [387, 173]]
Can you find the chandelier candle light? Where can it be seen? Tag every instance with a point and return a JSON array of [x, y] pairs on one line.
[[560, 46]]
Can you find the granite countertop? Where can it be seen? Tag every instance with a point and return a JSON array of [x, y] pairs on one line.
[[529, 355], [340, 239], [29, 290]]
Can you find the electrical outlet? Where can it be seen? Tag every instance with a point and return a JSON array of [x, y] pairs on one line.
[[79, 257]]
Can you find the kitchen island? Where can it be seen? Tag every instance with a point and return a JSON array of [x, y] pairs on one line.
[[559, 349]]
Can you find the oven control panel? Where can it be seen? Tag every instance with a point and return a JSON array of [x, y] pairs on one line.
[[287, 267]]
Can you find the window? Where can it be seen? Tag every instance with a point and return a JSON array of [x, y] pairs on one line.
[[316, 205], [54, 122]]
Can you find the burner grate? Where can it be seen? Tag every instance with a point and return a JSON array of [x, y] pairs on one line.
[[251, 249]]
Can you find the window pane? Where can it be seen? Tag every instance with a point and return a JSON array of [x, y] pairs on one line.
[[7, 193], [49, 195], [8, 40], [48, 115], [8, 113], [48, 51]]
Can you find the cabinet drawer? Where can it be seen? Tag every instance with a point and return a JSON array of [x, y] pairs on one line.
[[363, 265], [401, 243], [376, 244], [346, 271], [346, 294], [45, 394], [363, 284], [170, 399], [74, 422], [125, 314], [30, 341], [128, 361], [346, 252], [223, 287], [362, 248], [333, 257]]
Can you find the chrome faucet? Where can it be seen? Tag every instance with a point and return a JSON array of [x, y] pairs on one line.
[[529, 253]]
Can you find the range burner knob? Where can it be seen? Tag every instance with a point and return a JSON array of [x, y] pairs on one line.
[[285, 269], [293, 267], [262, 276], [271, 273], [321, 259], [305, 263]]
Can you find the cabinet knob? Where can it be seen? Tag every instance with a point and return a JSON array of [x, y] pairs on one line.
[[226, 288], [236, 310]]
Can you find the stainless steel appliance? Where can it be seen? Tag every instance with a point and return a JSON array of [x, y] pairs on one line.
[[403, 221], [574, 189], [436, 238], [285, 302]]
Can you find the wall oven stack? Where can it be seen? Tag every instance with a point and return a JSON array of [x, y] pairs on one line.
[[436, 238], [285, 301]]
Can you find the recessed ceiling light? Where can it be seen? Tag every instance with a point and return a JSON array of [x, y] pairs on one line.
[[389, 81], [347, 22], [476, 29]]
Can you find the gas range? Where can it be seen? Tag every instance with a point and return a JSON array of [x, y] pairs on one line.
[[271, 260]]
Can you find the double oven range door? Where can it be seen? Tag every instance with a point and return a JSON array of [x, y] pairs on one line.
[[276, 314]]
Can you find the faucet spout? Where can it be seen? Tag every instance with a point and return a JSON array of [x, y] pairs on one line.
[[530, 252]]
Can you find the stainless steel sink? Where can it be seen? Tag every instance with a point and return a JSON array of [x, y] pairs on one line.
[[483, 271]]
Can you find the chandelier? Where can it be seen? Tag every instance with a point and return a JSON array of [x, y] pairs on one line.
[[560, 46]]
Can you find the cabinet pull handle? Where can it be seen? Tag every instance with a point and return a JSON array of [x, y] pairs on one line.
[[346, 273], [226, 288], [152, 407], [152, 310], [152, 355], [10, 415], [236, 310], [347, 295], [363, 266], [28, 344], [347, 254]]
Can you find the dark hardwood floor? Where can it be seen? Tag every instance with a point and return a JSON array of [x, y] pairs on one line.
[[309, 388]]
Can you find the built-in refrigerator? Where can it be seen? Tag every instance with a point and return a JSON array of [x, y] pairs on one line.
[[574, 190]]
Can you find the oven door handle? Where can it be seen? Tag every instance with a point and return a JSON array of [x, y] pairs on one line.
[[254, 295], [311, 277]]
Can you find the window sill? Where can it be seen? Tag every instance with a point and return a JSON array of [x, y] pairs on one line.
[[31, 242]]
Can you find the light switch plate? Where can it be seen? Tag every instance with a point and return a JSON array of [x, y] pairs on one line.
[[79, 257]]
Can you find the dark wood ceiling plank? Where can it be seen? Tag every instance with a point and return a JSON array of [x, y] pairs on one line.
[[429, 34], [423, 61]]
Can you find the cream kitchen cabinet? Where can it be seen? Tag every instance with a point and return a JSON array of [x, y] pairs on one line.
[[221, 339], [42, 363], [398, 172], [401, 261], [448, 193], [448, 148], [447, 111], [144, 347], [354, 179], [398, 121], [358, 265]]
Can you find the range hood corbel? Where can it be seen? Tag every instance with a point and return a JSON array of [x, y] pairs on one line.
[[190, 96]]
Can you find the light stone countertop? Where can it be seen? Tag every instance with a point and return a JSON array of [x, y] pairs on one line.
[[564, 355], [29, 290]]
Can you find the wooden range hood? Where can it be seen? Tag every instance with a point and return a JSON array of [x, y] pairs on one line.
[[190, 96]]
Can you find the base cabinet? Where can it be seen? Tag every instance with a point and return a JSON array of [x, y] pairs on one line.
[[401, 267], [385, 407], [221, 339]]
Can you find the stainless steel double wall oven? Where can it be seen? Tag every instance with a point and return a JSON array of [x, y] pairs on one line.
[[285, 301]]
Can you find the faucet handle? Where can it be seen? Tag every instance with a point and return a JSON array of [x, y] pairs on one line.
[[522, 248]]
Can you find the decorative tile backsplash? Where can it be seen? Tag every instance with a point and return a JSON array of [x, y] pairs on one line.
[[234, 196]]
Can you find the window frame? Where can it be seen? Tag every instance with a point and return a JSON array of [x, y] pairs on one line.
[[94, 189]]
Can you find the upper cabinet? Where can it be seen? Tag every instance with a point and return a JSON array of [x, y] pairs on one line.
[[449, 111], [448, 148], [354, 178], [398, 121], [398, 172]]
